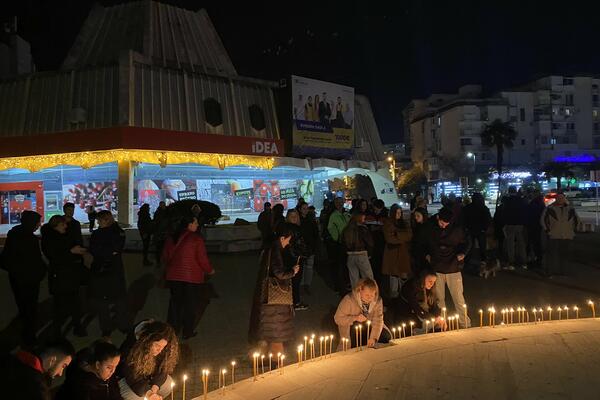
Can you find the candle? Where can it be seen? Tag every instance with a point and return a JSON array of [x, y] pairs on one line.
[[205, 382], [592, 305], [541, 313], [172, 390], [527, 314], [457, 319], [559, 312], [233, 370], [480, 318], [432, 325], [300, 349], [426, 327], [566, 310], [223, 372], [320, 346], [278, 360], [576, 312], [549, 313], [255, 364], [368, 331], [465, 311], [312, 348], [330, 344], [282, 357], [262, 364], [305, 343], [183, 391], [360, 336], [270, 361], [534, 314], [393, 333], [356, 329], [444, 312], [403, 329], [411, 327]]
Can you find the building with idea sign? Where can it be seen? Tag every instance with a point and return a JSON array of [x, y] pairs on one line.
[[148, 107]]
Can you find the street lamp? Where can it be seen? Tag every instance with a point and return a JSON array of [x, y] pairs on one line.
[[392, 162], [472, 155]]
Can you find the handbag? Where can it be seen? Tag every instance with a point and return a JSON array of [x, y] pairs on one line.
[[274, 290]]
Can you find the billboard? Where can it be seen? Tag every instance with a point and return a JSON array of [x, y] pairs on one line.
[[323, 118]]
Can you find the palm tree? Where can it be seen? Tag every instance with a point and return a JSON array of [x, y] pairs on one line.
[[500, 135], [558, 170]]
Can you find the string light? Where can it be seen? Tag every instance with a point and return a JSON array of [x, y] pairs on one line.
[[90, 159]]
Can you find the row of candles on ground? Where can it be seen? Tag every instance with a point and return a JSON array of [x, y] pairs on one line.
[[523, 314], [307, 351]]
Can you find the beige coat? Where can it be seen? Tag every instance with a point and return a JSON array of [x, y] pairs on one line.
[[396, 253], [350, 308]]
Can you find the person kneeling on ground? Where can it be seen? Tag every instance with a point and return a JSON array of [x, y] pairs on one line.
[[361, 305], [149, 356], [91, 376], [418, 302], [29, 375]]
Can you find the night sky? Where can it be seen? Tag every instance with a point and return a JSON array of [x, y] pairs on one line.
[[398, 54]]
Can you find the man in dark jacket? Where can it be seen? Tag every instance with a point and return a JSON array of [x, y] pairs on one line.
[[514, 214], [310, 233], [107, 278], [22, 259], [73, 226], [28, 375], [477, 220], [264, 225], [447, 251]]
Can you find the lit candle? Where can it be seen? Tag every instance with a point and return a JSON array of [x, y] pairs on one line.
[[432, 325], [457, 319], [278, 360], [593, 306], [541, 313], [426, 326], [255, 366], [480, 318], [534, 314], [262, 363], [172, 390], [321, 346], [493, 316], [312, 348], [411, 327], [549, 313], [368, 331], [559, 313], [282, 357], [444, 312], [356, 329], [270, 361], [576, 312], [566, 310], [465, 310], [393, 333], [503, 312], [205, 382], [224, 372], [183, 392], [233, 371], [527, 314], [305, 343], [360, 336], [403, 329], [512, 313], [330, 344]]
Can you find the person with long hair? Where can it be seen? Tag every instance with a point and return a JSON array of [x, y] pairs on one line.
[[418, 301], [421, 229], [149, 357], [64, 274], [358, 242], [296, 252], [396, 254], [22, 258], [477, 219], [91, 375], [361, 305], [187, 264], [144, 225]]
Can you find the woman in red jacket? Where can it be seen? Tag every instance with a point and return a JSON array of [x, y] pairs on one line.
[[187, 262]]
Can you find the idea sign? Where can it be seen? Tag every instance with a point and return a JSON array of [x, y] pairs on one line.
[[260, 147]]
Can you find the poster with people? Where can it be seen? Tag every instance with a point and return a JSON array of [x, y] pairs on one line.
[[323, 118], [100, 195]]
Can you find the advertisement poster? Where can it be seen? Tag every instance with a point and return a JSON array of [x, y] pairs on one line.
[[187, 195], [100, 195], [323, 118]]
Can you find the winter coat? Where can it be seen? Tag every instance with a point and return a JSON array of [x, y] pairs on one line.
[[310, 233], [351, 307], [357, 238], [444, 246], [276, 322], [22, 257], [186, 260], [297, 247], [145, 224], [560, 222], [514, 212], [23, 377], [82, 384], [107, 277], [336, 225], [74, 231], [477, 218], [65, 269], [396, 254], [411, 305], [265, 228]]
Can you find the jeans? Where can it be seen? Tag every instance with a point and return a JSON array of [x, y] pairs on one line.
[[557, 256], [455, 285], [514, 244], [307, 276], [359, 266], [128, 394]]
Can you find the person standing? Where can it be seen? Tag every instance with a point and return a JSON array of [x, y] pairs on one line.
[[447, 249], [477, 219], [22, 258], [413, 201], [28, 375], [310, 233], [338, 219], [514, 229], [559, 222], [421, 231], [264, 225], [107, 278], [73, 226], [396, 255], [187, 265], [295, 254], [160, 230], [535, 210], [358, 242], [64, 274], [144, 225], [91, 212]]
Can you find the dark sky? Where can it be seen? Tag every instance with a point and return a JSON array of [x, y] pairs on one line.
[[391, 55]]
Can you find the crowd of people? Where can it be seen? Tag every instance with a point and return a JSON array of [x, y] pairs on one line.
[[389, 266]]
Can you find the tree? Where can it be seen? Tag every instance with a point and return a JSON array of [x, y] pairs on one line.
[[500, 135], [558, 170], [454, 167], [411, 180]]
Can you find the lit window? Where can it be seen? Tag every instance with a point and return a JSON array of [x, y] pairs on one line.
[[567, 111], [595, 114], [552, 140], [439, 120]]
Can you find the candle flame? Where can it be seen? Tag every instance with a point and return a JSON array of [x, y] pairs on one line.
[[404, 325], [172, 385], [233, 363], [223, 371], [411, 323], [262, 356], [331, 337], [185, 377]]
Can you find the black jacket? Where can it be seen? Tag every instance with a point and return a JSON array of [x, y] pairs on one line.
[[84, 385], [310, 233], [22, 377], [74, 231], [412, 306], [145, 224], [107, 278], [22, 257], [515, 209], [477, 218], [444, 246], [266, 229], [65, 269], [357, 238]]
